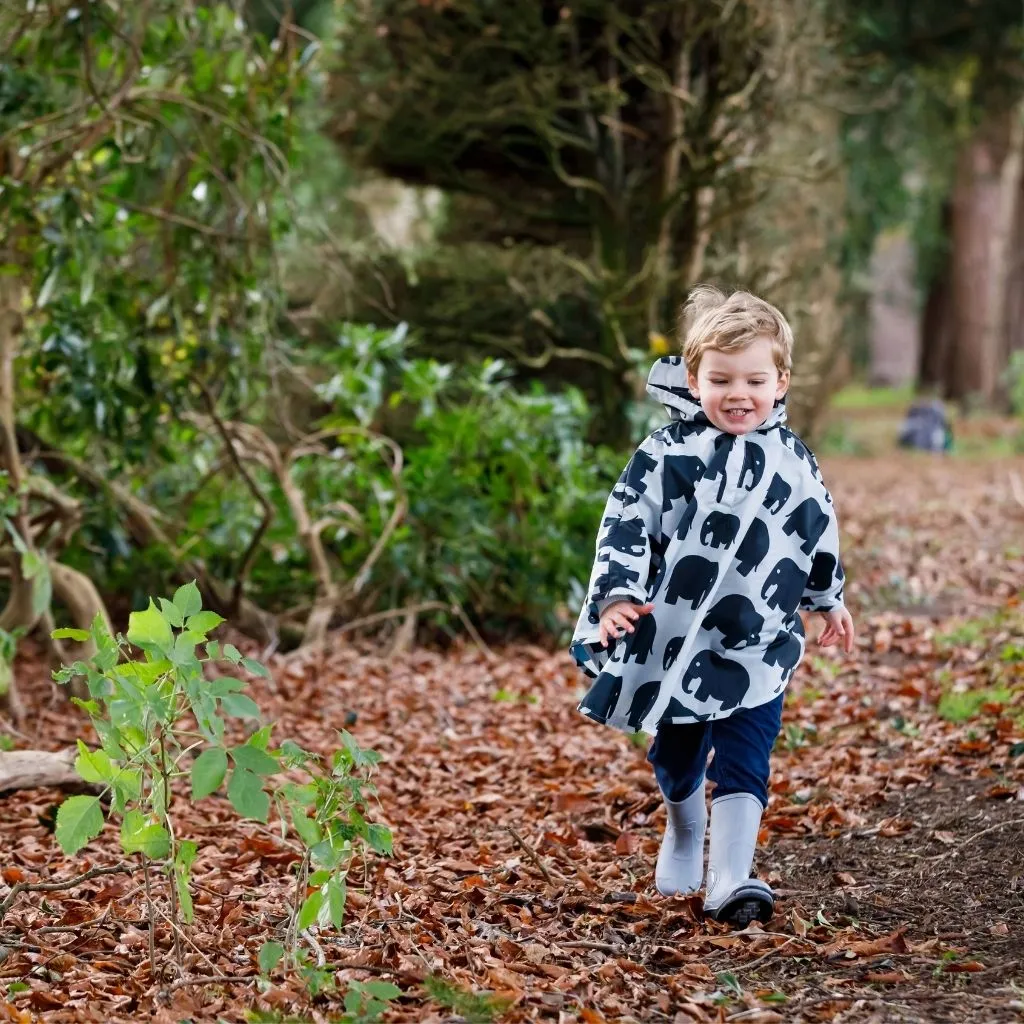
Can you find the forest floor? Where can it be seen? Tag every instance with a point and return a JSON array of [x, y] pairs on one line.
[[525, 835]]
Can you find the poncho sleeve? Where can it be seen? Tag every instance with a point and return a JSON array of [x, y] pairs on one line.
[[630, 523], [824, 589]]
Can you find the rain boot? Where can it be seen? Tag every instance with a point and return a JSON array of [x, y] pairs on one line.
[[732, 895], [680, 867]]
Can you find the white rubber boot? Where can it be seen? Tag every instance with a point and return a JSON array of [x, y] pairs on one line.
[[732, 895], [680, 867]]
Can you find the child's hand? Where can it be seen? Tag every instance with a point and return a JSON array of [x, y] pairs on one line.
[[838, 624], [619, 617]]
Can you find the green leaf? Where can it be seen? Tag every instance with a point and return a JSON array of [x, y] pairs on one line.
[[245, 791], [70, 634], [336, 901], [149, 629], [225, 684], [46, 292], [145, 672], [308, 829], [79, 819], [269, 956], [185, 857], [261, 737], [127, 786], [310, 909], [256, 668], [171, 613], [240, 706], [188, 600], [232, 653], [255, 760], [208, 772], [93, 765], [182, 874], [213, 650], [140, 835], [184, 651], [203, 622], [380, 839], [382, 989]]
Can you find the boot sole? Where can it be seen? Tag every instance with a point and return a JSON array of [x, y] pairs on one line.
[[746, 904]]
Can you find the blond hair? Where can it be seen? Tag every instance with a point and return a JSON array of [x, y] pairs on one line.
[[710, 320]]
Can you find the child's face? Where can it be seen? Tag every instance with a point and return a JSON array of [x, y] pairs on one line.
[[737, 390]]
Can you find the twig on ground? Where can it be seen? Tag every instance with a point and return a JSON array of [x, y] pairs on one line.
[[19, 887], [212, 979], [529, 853], [601, 947], [986, 831]]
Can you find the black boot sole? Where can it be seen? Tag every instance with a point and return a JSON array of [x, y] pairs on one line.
[[744, 907]]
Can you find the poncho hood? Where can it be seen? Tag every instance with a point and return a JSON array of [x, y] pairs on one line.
[[666, 384]]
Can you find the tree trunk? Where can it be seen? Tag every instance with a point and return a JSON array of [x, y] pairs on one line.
[[995, 347], [970, 328]]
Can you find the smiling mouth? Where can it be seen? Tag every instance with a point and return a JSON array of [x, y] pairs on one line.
[[737, 412]]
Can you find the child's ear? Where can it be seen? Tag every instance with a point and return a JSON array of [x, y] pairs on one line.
[[783, 385], [691, 382]]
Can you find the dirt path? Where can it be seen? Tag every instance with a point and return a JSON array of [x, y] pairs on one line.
[[526, 836]]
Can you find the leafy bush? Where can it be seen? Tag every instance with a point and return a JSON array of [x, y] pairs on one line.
[[504, 501], [503, 493]]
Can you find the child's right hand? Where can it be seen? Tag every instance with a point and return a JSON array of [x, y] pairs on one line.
[[619, 617]]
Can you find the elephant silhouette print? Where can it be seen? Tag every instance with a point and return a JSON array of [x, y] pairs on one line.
[[719, 529], [643, 698], [808, 521], [824, 569], [627, 536], [754, 546], [635, 474], [784, 586], [680, 475], [753, 463], [692, 579], [718, 678], [783, 651], [778, 494], [736, 618], [640, 642]]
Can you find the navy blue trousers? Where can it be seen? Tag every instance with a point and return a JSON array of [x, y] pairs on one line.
[[742, 743]]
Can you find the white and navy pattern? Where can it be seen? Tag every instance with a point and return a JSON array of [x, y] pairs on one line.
[[728, 537]]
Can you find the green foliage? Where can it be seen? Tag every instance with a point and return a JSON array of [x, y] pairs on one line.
[[503, 491], [364, 1004], [153, 713], [144, 232], [1014, 379], [957, 706], [504, 500], [474, 1008]]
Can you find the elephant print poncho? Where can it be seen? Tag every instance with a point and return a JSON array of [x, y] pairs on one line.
[[728, 537]]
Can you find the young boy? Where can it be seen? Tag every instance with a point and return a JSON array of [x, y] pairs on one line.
[[718, 531]]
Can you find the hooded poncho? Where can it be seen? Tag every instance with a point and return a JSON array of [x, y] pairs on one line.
[[728, 536]]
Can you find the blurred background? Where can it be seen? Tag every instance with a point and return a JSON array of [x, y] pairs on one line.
[[346, 309]]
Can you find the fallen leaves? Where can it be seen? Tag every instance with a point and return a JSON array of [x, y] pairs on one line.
[[526, 836]]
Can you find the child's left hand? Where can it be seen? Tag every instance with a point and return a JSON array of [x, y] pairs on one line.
[[838, 624]]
